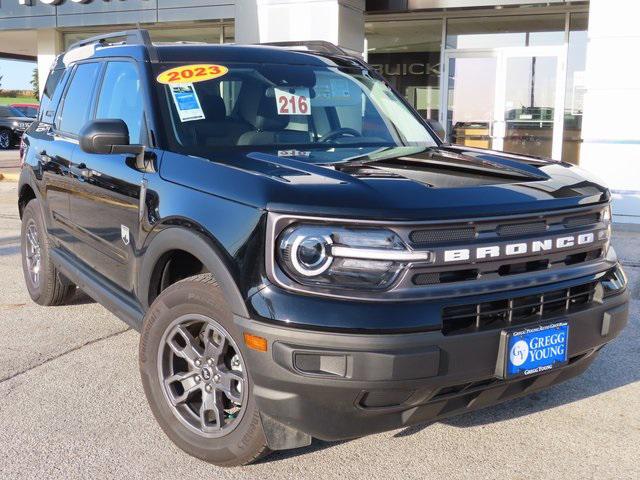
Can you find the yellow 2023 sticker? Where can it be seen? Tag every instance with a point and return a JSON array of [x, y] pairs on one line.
[[192, 73]]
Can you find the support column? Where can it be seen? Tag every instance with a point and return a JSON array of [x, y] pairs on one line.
[[49, 44], [340, 22], [611, 147]]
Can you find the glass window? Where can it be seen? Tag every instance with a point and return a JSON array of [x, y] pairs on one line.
[[210, 34], [298, 105], [6, 112], [493, 32], [121, 98], [229, 33], [407, 54], [574, 98], [202, 33], [52, 94], [77, 101]]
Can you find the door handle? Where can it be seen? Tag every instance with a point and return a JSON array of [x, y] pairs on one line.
[[81, 170], [43, 158]]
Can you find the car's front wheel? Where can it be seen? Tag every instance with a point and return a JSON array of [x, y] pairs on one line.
[[195, 377]]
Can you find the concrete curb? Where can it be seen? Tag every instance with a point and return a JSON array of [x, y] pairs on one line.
[[9, 177]]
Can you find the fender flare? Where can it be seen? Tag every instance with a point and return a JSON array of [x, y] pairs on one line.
[[201, 247], [27, 178]]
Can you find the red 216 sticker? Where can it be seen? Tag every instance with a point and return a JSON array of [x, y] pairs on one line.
[[292, 101]]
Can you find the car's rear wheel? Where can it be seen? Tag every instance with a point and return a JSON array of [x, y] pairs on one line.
[[45, 284], [5, 139], [195, 377]]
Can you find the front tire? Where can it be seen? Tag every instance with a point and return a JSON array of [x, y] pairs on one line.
[[194, 375], [45, 284]]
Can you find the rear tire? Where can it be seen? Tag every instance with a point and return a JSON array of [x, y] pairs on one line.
[[195, 379], [45, 283], [5, 139]]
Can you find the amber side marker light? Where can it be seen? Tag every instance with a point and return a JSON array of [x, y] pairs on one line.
[[255, 342]]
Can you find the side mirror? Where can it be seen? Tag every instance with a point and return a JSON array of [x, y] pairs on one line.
[[107, 136]]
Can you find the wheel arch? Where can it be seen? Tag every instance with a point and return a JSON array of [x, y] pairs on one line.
[[198, 245], [27, 190]]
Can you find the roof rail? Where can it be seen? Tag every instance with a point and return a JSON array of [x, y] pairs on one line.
[[318, 46], [132, 37]]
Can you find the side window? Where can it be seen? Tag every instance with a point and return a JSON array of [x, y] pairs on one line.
[[51, 95], [121, 98], [77, 100]]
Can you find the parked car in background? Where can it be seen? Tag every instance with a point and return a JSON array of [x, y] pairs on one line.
[[13, 123], [28, 109]]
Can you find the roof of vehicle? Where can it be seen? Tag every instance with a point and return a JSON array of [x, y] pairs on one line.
[[35, 105], [137, 45]]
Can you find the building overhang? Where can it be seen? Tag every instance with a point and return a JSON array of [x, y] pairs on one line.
[[18, 45], [404, 5]]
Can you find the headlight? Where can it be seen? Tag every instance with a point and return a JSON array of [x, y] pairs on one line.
[[605, 217], [344, 257], [614, 282]]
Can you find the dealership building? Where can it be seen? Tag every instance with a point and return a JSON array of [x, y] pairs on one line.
[[550, 78]]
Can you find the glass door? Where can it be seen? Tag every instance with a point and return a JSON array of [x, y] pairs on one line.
[[508, 99], [530, 100], [470, 98]]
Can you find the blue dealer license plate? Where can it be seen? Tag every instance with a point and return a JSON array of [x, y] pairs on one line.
[[536, 350]]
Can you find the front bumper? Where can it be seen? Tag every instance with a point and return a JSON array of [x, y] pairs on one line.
[[335, 386]]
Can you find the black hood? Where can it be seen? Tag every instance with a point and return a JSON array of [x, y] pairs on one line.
[[443, 182]]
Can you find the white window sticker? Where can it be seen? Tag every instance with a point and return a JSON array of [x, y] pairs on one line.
[[292, 101], [187, 102]]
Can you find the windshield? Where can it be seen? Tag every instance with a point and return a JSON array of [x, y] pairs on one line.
[[288, 105], [27, 111], [10, 112]]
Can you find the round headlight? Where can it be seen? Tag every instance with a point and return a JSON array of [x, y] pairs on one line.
[[308, 253]]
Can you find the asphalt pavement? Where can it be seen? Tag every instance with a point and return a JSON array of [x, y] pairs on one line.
[[9, 161], [71, 406]]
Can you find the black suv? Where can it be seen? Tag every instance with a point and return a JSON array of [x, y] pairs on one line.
[[13, 123], [302, 255]]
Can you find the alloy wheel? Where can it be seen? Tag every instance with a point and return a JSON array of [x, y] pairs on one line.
[[5, 140], [203, 376], [33, 253]]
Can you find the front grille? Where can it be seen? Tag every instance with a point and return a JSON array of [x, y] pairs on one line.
[[499, 314], [582, 220], [516, 229], [435, 236], [495, 270], [478, 235]]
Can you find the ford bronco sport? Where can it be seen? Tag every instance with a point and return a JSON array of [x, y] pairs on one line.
[[302, 255]]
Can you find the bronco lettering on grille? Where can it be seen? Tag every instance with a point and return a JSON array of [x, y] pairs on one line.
[[520, 248]]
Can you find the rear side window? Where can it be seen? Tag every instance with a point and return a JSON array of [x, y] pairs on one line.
[[77, 101], [52, 93], [121, 98]]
